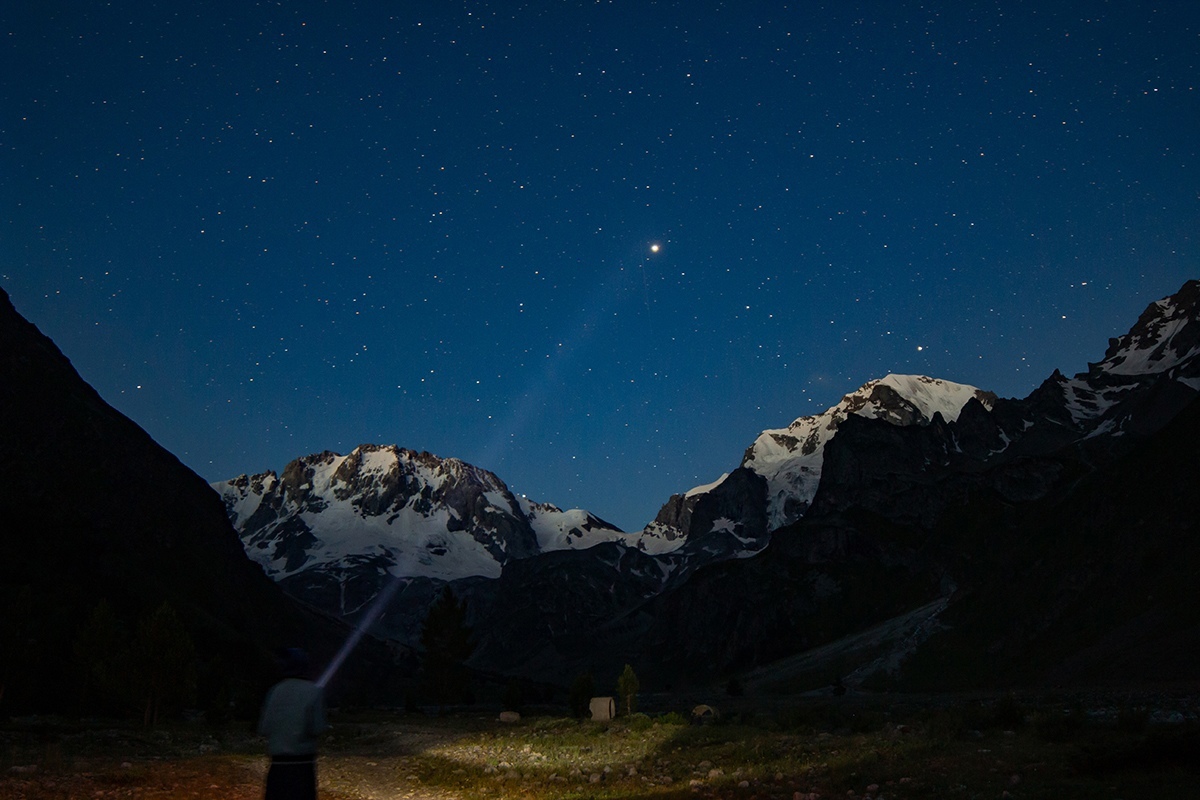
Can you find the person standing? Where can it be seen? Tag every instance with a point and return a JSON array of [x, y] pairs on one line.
[[293, 716]]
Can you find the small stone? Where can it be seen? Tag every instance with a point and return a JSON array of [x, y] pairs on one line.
[[595, 777], [744, 785], [714, 773], [873, 788], [1014, 780]]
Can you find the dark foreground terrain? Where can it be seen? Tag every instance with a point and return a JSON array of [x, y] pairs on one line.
[[1072, 745]]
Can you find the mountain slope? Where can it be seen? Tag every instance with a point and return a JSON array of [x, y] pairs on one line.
[[791, 459], [78, 528]]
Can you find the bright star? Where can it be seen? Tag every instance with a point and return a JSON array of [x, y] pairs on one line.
[[654, 248]]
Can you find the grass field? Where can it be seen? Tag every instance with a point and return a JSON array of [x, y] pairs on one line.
[[853, 747]]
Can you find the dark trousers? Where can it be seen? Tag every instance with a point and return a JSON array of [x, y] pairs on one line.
[[292, 778]]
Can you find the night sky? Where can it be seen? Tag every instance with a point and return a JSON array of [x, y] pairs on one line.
[[263, 230]]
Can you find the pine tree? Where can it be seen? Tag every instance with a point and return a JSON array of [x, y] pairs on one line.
[[17, 642], [446, 638], [627, 688], [165, 663], [103, 658], [580, 697]]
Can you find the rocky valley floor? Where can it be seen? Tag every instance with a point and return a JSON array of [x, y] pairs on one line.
[[1098, 745]]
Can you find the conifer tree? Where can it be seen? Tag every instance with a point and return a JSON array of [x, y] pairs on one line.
[[580, 697], [165, 661], [627, 688], [446, 638]]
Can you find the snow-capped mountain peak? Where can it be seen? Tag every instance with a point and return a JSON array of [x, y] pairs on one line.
[[408, 512], [1166, 336], [791, 458]]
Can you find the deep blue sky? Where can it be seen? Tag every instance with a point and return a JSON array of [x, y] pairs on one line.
[[265, 229]]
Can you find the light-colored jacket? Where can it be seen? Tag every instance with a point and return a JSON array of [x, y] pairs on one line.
[[293, 716]]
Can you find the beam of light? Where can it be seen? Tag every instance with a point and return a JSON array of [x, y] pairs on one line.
[[360, 630], [583, 329]]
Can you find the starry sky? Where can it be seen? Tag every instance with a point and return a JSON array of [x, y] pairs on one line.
[[595, 247]]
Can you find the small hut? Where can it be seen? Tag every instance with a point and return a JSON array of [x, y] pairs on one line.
[[603, 708]]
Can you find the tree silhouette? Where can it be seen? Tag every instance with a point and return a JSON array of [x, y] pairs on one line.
[[17, 642], [446, 638], [165, 663], [580, 697], [103, 658], [627, 688]]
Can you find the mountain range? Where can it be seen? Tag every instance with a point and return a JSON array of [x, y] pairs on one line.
[[920, 534], [881, 514]]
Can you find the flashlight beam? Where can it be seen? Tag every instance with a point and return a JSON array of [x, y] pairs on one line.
[[360, 630]]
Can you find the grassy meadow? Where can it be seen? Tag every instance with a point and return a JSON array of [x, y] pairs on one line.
[[851, 747]]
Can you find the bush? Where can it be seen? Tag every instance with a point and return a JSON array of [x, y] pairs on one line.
[[1057, 726], [1133, 720], [1006, 713], [639, 722]]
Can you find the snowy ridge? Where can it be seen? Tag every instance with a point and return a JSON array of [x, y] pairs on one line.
[[413, 514], [791, 458], [1166, 336], [1165, 342], [575, 529]]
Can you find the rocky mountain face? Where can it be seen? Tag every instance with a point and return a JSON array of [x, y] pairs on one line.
[[78, 531], [1146, 378], [791, 459]]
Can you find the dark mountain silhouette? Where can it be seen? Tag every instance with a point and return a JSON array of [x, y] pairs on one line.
[[92, 510]]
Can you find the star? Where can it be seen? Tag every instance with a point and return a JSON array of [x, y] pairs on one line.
[[654, 248]]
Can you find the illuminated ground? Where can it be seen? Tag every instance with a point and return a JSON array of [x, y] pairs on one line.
[[992, 748]]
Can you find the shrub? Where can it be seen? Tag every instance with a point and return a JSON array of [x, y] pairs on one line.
[[639, 722]]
